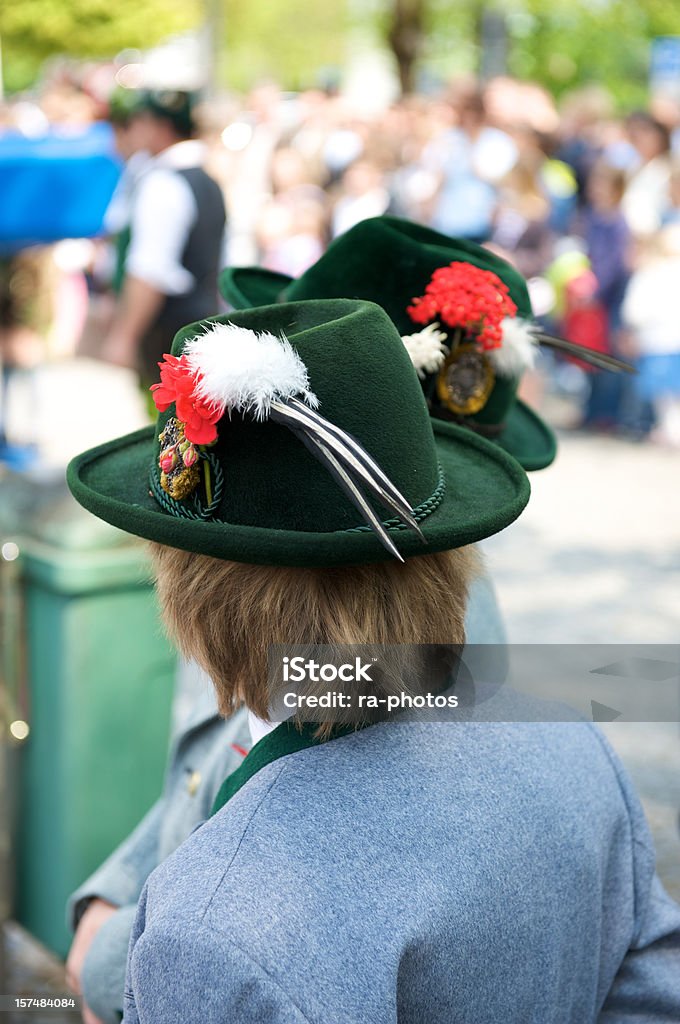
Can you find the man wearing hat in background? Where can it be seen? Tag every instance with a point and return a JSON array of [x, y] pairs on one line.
[[130, 143], [176, 236]]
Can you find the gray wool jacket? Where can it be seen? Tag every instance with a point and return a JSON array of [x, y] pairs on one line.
[[419, 873], [206, 750]]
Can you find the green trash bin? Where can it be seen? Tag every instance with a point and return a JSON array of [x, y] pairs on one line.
[[99, 678]]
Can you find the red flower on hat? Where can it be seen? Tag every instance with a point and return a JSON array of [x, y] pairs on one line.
[[179, 384], [465, 296]]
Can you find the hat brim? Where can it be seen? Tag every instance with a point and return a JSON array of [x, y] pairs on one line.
[[525, 435], [485, 491], [527, 438], [245, 287]]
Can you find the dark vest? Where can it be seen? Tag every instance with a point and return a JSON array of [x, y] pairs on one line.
[[201, 257]]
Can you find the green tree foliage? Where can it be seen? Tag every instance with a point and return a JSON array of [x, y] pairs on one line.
[[33, 30], [292, 41], [560, 43], [569, 43]]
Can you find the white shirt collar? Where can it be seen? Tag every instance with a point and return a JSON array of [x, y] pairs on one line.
[[188, 153], [259, 728]]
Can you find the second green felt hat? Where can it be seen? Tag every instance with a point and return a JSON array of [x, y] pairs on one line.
[[392, 262]]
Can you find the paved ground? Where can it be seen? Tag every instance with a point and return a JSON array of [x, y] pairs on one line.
[[595, 559], [71, 404]]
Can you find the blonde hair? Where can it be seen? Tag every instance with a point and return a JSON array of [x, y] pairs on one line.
[[226, 615]]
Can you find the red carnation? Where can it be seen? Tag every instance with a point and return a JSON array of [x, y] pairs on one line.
[[178, 384], [466, 297]]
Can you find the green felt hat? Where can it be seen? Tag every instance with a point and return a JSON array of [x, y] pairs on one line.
[[270, 500], [391, 261]]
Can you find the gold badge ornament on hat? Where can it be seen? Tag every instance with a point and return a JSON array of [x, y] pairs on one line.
[[465, 380]]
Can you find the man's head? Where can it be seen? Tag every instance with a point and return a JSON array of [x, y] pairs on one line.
[[226, 615], [649, 137], [163, 118], [124, 106]]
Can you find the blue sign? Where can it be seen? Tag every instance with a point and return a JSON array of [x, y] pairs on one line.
[[55, 186], [664, 67]]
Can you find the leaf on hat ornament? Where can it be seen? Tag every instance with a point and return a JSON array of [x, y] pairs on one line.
[[427, 349], [243, 371]]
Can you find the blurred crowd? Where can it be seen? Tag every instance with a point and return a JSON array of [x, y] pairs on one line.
[[583, 199]]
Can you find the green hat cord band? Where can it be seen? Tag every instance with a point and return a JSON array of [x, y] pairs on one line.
[[194, 511], [420, 512]]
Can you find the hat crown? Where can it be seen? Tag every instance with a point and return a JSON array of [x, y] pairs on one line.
[[362, 376], [390, 261]]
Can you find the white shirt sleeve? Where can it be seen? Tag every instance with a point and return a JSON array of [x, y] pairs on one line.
[[163, 212]]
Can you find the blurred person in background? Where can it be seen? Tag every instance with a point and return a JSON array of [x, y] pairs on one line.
[[64, 101], [664, 107], [265, 119], [412, 185], [176, 238], [317, 112], [363, 193], [292, 173], [554, 177], [608, 246], [292, 227], [291, 236], [345, 140], [646, 198], [521, 225], [26, 314], [672, 214], [128, 133], [579, 133], [107, 270], [650, 309], [470, 159]]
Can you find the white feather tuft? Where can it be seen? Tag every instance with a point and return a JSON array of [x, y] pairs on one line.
[[426, 349], [246, 371], [518, 350]]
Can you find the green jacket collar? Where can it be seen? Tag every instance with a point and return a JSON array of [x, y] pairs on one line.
[[285, 739]]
